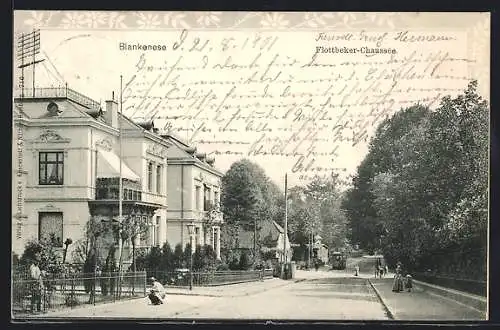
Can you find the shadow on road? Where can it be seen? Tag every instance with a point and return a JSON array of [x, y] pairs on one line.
[[339, 280], [339, 295]]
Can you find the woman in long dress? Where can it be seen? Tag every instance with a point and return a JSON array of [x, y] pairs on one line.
[[398, 285]]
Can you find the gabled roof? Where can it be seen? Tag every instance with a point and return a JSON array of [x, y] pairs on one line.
[[269, 229], [183, 152], [37, 109]]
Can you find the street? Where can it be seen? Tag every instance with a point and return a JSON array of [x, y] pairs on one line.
[[313, 295], [318, 299], [321, 295]]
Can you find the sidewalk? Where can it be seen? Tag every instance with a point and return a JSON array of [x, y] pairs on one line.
[[230, 290], [421, 305]]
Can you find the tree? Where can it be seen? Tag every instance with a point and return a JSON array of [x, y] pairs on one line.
[[385, 155], [421, 191], [131, 229], [167, 257], [248, 198], [186, 255], [315, 209], [43, 251], [178, 257]]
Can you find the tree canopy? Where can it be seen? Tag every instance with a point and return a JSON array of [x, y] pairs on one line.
[[422, 189]]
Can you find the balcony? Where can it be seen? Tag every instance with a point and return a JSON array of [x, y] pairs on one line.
[[134, 200], [108, 189], [58, 93]]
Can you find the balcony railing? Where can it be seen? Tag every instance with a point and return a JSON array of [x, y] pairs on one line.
[[108, 188], [59, 92]]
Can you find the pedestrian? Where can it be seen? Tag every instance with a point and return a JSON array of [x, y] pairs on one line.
[[386, 270], [409, 282], [398, 285], [356, 270], [36, 285], [157, 293]]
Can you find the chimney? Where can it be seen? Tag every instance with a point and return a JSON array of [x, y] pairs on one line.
[[111, 113]]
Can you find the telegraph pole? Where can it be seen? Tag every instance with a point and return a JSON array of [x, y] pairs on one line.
[[120, 195], [286, 220]]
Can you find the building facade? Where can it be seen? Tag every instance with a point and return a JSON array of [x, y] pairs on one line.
[[194, 187], [268, 238], [66, 169]]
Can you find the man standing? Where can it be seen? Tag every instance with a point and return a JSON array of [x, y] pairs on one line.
[[36, 286], [157, 293]]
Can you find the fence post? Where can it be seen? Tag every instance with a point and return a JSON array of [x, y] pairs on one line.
[[72, 290]]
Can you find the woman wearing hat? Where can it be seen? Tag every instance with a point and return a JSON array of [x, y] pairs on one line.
[[157, 292], [398, 285]]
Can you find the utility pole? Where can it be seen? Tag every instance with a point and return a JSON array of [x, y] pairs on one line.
[[120, 193], [286, 221]]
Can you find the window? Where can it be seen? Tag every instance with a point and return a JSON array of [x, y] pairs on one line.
[[216, 198], [206, 205], [51, 168], [157, 231], [196, 237], [150, 176], [197, 201], [158, 179], [50, 227]]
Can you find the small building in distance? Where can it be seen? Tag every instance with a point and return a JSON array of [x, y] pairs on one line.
[[269, 239]]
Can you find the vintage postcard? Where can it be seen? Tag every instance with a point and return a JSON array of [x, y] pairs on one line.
[[250, 165]]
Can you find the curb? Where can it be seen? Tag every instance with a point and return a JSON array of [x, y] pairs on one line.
[[192, 294], [471, 301], [390, 315]]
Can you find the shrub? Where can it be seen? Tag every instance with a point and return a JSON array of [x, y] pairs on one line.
[[45, 252], [234, 263], [15, 260], [222, 267], [70, 299], [244, 263], [178, 256]]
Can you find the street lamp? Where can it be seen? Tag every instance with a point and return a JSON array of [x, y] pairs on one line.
[[191, 233], [67, 243]]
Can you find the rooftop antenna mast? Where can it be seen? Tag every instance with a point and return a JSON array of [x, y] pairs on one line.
[[28, 46]]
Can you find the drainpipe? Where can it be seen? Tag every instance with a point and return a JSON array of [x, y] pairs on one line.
[[182, 205]]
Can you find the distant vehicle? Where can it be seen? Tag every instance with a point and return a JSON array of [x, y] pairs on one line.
[[338, 260]]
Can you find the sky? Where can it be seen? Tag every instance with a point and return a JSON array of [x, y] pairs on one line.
[[295, 102]]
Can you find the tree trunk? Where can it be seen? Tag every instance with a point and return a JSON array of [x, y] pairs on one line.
[[120, 267]]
